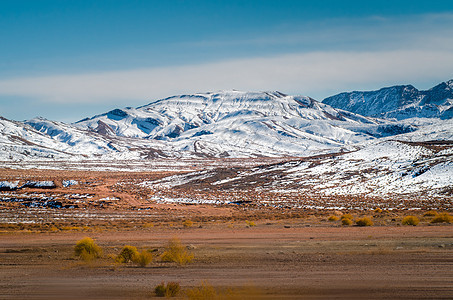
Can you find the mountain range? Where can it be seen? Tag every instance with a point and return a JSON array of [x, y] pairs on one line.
[[398, 102], [237, 124]]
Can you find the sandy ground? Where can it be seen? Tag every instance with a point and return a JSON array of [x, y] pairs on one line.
[[279, 259]]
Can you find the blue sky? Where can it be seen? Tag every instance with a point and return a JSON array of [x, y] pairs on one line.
[[65, 60]]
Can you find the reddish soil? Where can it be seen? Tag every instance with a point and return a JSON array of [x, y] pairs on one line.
[[285, 263], [291, 253]]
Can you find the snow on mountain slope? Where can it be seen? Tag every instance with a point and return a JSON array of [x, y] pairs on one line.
[[224, 124], [39, 139], [399, 102], [392, 170], [240, 124], [19, 141]]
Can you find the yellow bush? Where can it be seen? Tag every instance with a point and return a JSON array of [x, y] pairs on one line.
[[430, 213], [442, 218], [365, 221], [143, 258], [333, 218], [87, 249], [346, 222], [187, 223], [172, 289], [127, 254], [176, 252], [378, 210], [250, 223], [148, 225], [410, 220], [205, 291], [347, 216]]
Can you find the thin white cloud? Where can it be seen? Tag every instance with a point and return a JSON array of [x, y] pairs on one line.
[[317, 73]]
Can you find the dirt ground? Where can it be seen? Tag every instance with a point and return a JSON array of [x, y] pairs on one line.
[[251, 250], [275, 259]]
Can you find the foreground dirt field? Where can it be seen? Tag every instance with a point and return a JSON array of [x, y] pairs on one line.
[[241, 245], [274, 260]]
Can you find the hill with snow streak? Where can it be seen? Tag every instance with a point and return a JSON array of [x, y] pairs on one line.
[[399, 102], [241, 124]]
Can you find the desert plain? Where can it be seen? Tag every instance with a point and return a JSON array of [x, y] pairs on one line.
[[241, 248]]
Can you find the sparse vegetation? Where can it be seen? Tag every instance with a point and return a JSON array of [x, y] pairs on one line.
[[148, 225], [430, 213], [347, 216], [250, 223], [410, 220], [365, 221], [172, 289], [87, 250], [176, 252], [346, 222], [143, 258], [187, 223], [333, 218], [127, 254], [442, 218], [204, 291]]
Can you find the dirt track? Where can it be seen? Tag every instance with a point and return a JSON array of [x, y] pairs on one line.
[[282, 263]]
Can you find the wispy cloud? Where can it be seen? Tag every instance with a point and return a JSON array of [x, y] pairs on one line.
[[316, 74]]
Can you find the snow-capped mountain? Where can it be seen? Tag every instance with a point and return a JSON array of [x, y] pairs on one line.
[[399, 102], [241, 124], [42, 139], [223, 124]]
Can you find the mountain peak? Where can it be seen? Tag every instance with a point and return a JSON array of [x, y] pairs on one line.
[[400, 102]]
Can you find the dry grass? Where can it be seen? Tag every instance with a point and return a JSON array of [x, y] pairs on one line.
[[346, 222], [176, 252], [172, 289], [206, 291], [365, 221], [87, 250], [187, 223], [143, 258], [250, 223], [410, 220], [430, 213], [332, 218], [442, 218], [127, 254]]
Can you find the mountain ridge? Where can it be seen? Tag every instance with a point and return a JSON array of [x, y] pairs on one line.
[[218, 124], [399, 102]]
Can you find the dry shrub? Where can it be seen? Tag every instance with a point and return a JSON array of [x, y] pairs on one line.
[[148, 225], [346, 222], [333, 218], [378, 210], [347, 216], [204, 291], [87, 249], [410, 220], [442, 218], [187, 223], [143, 258], [172, 289], [250, 223], [176, 252], [430, 213], [365, 221], [127, 254]]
